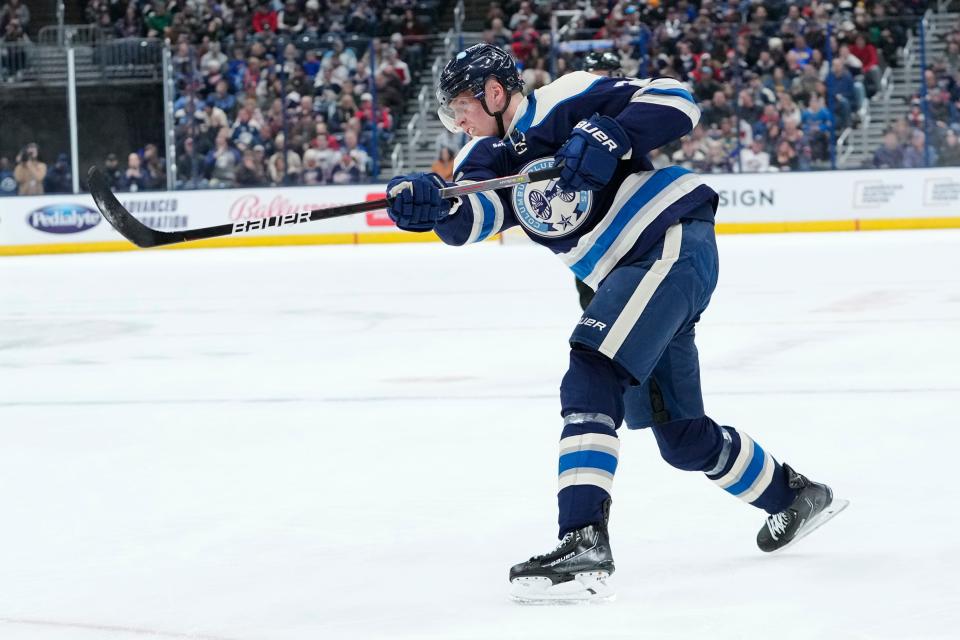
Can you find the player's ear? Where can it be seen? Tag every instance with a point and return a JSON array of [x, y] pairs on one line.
[[497, 98]]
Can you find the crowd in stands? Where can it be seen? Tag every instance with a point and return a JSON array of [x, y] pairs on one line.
[[928, 136], [281, 92], [272, 92], [777, 81], [29, 175]]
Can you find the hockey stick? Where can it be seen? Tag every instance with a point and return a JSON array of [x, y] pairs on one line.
[[143, 236]]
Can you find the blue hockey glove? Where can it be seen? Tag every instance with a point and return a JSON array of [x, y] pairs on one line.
[[589, 157], [415, 202]]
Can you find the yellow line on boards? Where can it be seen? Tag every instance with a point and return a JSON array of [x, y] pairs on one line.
[[786, 227], [384, 237]]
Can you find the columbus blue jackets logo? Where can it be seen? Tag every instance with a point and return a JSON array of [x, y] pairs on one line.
[[544, 210]]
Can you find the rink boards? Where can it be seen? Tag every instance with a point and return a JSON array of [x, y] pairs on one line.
[[749, 203]]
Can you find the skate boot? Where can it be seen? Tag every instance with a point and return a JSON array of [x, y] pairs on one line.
[[813, 506], [576, 571]]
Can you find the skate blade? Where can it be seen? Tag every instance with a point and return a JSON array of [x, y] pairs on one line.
[[583, 589], [818, 521]]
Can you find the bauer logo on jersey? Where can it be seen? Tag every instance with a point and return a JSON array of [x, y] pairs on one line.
[[543, 209]]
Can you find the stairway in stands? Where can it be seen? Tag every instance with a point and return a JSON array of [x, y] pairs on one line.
[[422, 156], [884, 111]]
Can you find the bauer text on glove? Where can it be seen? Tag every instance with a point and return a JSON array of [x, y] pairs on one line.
[[588, 159]]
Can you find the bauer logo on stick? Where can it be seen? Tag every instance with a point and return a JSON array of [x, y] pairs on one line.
[[267, 223]]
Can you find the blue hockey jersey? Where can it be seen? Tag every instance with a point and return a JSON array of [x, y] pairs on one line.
[[594, 231]]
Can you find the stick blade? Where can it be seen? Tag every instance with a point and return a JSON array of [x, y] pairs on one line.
[[118, 217]]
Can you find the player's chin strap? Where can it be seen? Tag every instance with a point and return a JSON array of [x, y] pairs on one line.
[[498, 116]]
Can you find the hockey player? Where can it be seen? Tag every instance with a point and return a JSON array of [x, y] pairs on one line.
[[603, 64], [644, 240]]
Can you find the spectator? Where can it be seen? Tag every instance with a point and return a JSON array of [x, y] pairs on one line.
[[801, 50], [222, 161], [890, 153], [524, 13], [158, 20], [346, 109], [283, 169], [536, 75], [499, 34], [754, 159], [29, 171], [250, 174], [398, 66], [13, 58], [15, 10], [290, 19], [112, 171], [264, 18], [311, 65], [222, 99], [245, 133], [443, 165], [747, 108], [817, 122], [8, 184], [326, 155], [384, 120], [351, 144], [950, 153], [389, 90], [313, 171], [346, 171], [59, 178], [916, 153], [689, 156], [786, 157], [214, 54], [840, 82], [867, 54], [190, 167], [716, 110], [134, 178], [154, 167], [131, 24]]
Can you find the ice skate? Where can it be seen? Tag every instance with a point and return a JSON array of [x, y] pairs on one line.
[[813, 506], [577, 571]]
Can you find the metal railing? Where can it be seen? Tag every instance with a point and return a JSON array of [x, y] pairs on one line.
[[413, 136], [396, 160], [62, 35], [125, 58]]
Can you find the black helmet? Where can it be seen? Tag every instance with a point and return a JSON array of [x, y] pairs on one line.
[[606, 61], [468, 71]]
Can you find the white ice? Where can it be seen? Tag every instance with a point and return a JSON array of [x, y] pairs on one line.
[[357, 442]]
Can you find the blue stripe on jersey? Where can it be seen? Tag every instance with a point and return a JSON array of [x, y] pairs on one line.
[[489, 216], [751, 474], [527, 116], [588, 458], [559, 102], [683, 93], [650, 190]]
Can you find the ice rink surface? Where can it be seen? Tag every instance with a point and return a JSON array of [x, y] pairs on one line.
[[357, 442]]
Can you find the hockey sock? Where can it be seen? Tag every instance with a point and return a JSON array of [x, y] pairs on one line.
[[591, 396], [589, 450], [746, 471]]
